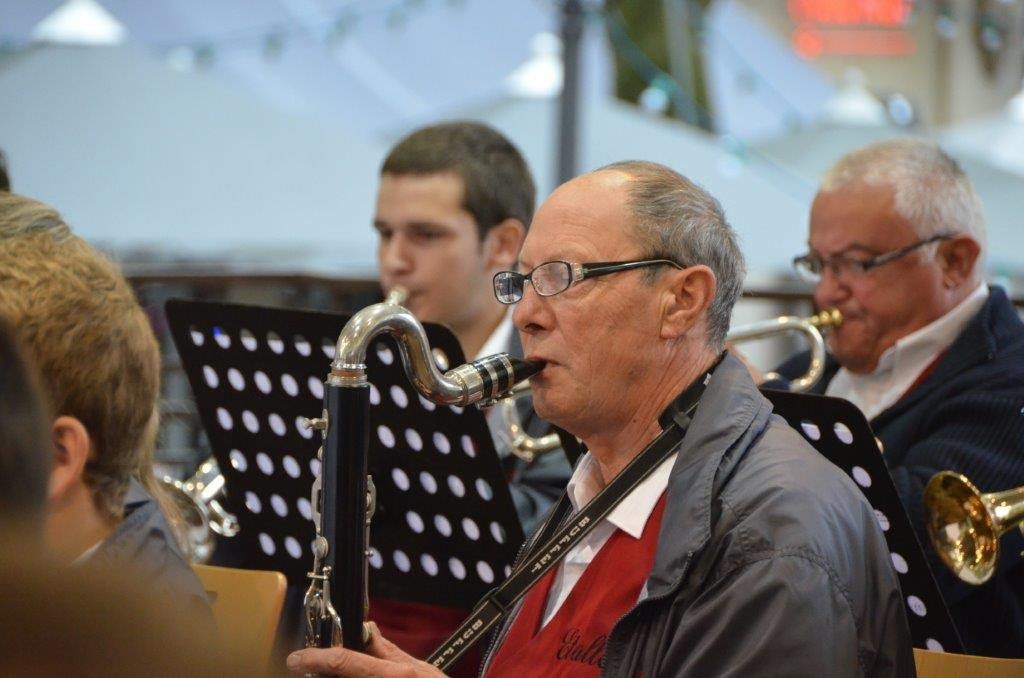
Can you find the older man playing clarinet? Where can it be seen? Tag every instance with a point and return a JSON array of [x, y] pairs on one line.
[[732, 547]]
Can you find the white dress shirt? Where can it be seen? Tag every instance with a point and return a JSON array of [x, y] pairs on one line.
[[901, 364], [630, 516], [87, 553]]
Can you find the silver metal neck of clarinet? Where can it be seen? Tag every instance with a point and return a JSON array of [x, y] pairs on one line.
[[482, 379]]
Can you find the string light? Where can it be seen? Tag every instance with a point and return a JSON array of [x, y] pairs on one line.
[[396, 19], [344, 24], [273, 45], [945, 23], [205, 55], [272, 40]]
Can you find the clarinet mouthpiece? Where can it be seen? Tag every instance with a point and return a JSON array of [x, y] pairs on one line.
[[491, 377]]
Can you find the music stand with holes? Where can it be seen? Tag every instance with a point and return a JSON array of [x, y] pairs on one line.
[[839, 431], [445, 529]]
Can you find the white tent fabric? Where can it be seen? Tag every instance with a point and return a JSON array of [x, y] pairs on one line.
[[138, 156], [758, 200], [999, 139], [758, 86], [370, 64]]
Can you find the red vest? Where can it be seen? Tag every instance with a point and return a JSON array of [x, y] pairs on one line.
[[572, 643], [419, 628]]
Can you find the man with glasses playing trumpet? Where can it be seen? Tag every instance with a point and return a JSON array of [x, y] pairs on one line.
[[932, 356], [703, 536]]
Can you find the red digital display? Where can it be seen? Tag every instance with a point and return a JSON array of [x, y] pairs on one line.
[[850, 12], [850, 27]]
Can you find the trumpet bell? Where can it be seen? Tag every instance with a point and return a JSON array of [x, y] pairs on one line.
[[965, 525], [195, 521], [961, 527], [528, 448]]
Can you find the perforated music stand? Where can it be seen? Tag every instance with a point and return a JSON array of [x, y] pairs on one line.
[[445, 529], [839, 431]]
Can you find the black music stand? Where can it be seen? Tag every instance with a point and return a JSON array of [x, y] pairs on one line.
[[839, 431], [445, 530]]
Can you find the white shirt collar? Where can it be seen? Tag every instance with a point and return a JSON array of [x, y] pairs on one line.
[[632, 513], [901, 364], [88, 553], [500, 337]]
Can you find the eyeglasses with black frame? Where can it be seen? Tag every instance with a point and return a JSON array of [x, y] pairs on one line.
[[555, 277], [810, 266]]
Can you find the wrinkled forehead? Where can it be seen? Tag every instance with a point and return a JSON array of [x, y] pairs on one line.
[[586, 219]]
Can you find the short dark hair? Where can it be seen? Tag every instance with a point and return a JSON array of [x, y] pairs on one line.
[[497, 184]]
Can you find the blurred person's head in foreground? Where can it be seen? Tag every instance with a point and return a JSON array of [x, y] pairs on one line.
[[78, 322], [24, 428], [86, 622]]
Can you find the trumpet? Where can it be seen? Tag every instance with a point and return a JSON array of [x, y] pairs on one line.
[[810, 328], [965, 525], [523, 445], [199, 500], [527, 447]]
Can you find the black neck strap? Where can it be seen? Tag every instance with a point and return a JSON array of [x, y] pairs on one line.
[[557, 537]]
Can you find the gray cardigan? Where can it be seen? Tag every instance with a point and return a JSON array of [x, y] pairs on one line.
[[770, 562]]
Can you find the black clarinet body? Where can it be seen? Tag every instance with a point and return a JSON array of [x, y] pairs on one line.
[[345, 445], [343, 495]]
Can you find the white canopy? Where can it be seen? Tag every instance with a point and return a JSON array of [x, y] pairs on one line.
[[138, 156], [760, 202]]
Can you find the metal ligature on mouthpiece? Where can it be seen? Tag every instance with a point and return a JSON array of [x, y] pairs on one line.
[[343, 496]]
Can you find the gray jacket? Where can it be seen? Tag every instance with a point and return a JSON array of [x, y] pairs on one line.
[[770, 562], [144, 545]]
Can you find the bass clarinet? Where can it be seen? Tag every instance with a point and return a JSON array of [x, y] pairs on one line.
[[343, 497]]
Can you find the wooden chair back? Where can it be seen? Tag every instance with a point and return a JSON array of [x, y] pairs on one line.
[[247, 607], [944, 665]]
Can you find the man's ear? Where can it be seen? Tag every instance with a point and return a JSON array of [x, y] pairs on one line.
[[958, 256], [502, 244], [71, 447], [687, 296]]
